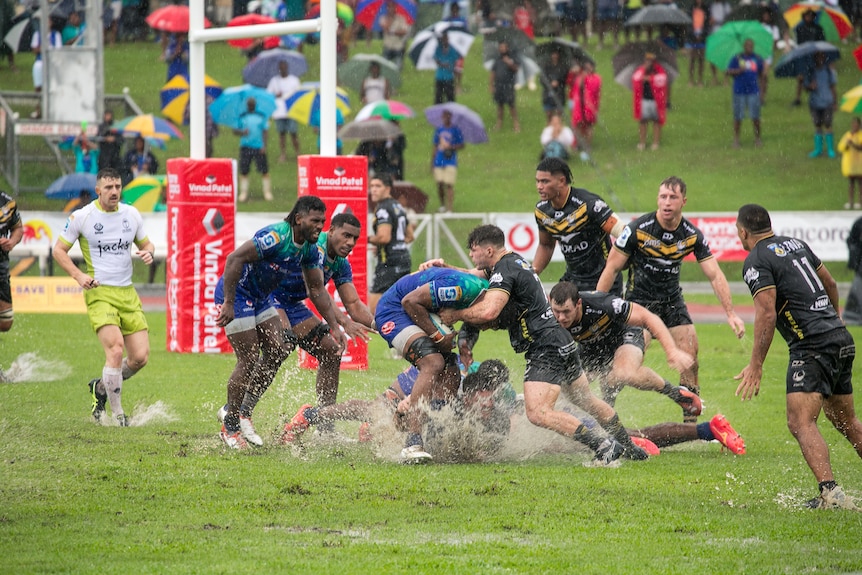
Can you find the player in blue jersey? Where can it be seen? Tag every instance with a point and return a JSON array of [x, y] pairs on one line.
[[403, 319], [251, 322]]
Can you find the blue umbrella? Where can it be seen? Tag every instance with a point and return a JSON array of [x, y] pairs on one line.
[[801, 59], [262, 68], [231, 105], [70, 186]]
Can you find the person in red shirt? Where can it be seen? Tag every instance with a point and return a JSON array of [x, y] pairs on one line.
[[649, 84], [524, 16], [585, 95]]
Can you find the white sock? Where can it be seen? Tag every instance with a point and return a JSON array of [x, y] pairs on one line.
[[267, 189], [127, 371], [112, 379], [243, 188]]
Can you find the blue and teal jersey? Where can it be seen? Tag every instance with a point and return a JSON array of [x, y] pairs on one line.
[[292, 287], [277, 251], [449, 288]]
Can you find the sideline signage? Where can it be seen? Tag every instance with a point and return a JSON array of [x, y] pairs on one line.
[[36, 294]]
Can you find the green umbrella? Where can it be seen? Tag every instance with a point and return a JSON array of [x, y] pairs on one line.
[[354, 71], [726, 42], [144, 192]]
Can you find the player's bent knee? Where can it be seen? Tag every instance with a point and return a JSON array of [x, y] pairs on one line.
[[423, 349]]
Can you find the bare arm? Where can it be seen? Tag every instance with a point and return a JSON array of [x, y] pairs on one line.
[[544, 251], [417, 305], [616, 262], [320, 298], [357, 310], [676, 358], [61, 256], [830, 285], [146, 251], [485, 311], [244, 254], [722, 292], [6, 244], [382, 236], [764, 331]]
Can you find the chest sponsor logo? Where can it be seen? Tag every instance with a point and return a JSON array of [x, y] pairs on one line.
[[99, 228], [666, 237]]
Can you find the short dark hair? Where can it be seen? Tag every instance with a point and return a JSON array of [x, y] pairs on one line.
[[486, 234], [304, 205], [344, 219], [674, 182], [112, 173], [563, 292], [555, 166], [754, 219], [385, 178], [491, 374]]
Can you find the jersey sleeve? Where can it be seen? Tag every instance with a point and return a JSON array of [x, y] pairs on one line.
[[141, 234], [344, 275], [72, 230], [757, 277], [701, 248], [268, 241], [599, 210], [383, 216], [311, 256], [627, 241]]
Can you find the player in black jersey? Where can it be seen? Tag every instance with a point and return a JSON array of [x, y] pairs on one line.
[[580, 221], [392, 234], [553, 363], [795, 293], [11, 232], [609, 330], [653, 246]]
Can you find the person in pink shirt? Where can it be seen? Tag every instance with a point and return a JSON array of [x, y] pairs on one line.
[[649, 85], [585, 94], [523, 17]]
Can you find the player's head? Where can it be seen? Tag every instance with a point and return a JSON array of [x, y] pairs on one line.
[[566, 304], [484, 242], [480, 386], [555, 167], [307, 217], [671, 200], [109, 187], [380, 187], [344, 232], [752, 222]]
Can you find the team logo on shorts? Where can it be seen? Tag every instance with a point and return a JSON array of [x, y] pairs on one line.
[[777, 249], [449, 293], [387, 327], [798, 375]]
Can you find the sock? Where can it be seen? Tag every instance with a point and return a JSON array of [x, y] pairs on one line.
[[112, 379], [588, 437], [672, 391], [616, 430], [827, 486], [312, 414], [413, 439], [704, 431], [128, 372], [231, 422], [243, 188], [267, 188]]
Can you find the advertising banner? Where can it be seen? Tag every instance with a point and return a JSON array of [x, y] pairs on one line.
[[341, 182], [200, 234], [36, 294]]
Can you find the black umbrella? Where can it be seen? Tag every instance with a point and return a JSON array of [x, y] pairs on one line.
[[518, 42], [659, 14], [20, 32], [632, 55], [799, 60], [569, 52], [754, 12], [372, 129]]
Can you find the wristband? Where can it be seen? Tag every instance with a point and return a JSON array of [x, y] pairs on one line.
[[437, 337]]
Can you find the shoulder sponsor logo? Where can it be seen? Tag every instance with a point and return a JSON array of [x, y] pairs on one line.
[[750, 275], [599, 206], [624, 237], [449, 293], [618, 304], [524, 264], [495, 279]]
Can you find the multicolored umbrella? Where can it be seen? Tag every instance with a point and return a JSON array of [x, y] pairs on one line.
[[726, 42], [368, 12], [386, 109], [306, 101], [857, 55], [231, 105], [253, 19], [468, 121], [70, 186], [264, 66], [172, 18], [851, 101], [353, 72], [144, 192], [175, 97], [20, 31], [342, 11], [425, 43], [799, 60], [148, 126], [832, 20]]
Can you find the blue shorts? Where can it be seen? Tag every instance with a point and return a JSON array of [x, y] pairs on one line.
[[297, 311], [608, 13], [746, 103], [286, 126], [391, 319], [244, 305]]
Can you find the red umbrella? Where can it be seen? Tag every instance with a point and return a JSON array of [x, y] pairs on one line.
[[172, 18], [857, 53], [253, 19]]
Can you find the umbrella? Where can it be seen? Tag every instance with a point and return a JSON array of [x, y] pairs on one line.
[[426, 41], [635, 52], [253, 20], [231, 105], [342, 11], [468, 121], [857, 55], [658, 14], [264, 66], [851, 101], [353, 72], [386, 109], [624, 76], [20, 32], [527, 69], [726, 42], [569, 52], [302, 104], [833, 20], [754, 12], [372, 129], [175, 97], [518, 41], [171, 18], [314, 118], [148, 126], [368, 12], [799, 60], [144, 192], [70, 186]]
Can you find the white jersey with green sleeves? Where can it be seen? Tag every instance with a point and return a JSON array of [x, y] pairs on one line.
[[106, 240]]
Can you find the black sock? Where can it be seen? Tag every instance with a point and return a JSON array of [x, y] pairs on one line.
[[827, 486], [704, 431], [588, 437], [616, 430]]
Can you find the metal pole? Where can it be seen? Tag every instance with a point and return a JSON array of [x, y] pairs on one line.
[[197, 94], [328, 38]]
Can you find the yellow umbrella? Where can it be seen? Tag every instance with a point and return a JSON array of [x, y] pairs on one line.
[[143, 192], [175, 97], [851, 101]]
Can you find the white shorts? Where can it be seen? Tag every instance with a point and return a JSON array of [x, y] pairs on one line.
[[116, 9], [38, 76]]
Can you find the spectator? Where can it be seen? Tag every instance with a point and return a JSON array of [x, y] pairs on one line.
[[554, 74], [253, 131], [586, 96], [504, 72], [86, 155], [574, 18], [697, 43], [7, 14], [630, 8], [395, 32], [747, 71], [132, 19], [820, 82], [84, 198], [211, 129], [448, 139], [111, 20], [769, 26], [73, 31], [110, 143], [176, 56], [446, 58], [608, 14], [283, 87], [375, 151], [374, 87], [455, 18], [395, 155], [808, 30], [850, 147], [55, 40], [139, 161], [649, 85], [557, 140], [523, 17]]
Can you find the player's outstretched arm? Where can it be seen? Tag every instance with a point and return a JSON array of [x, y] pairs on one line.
[[676, 358], [722, 292], [357, 310]]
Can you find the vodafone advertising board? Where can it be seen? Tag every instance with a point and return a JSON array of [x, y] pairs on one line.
[[342, 183], [201, 214]]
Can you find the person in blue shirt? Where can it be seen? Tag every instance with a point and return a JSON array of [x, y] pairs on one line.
[[747, 71], [446, 57], [820, 82], [253, 132], [448, 139], [176, 56], [252, 324]]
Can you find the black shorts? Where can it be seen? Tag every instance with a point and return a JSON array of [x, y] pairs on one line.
[[555, 360], [385, 275], [823, 365], [5, 285], [444, 91], [589, 283], [246, 155], [672, 312], [822, 117], [599, 357], [504, 96]]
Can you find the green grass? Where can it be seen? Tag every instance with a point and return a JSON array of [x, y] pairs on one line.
[[166, 497]]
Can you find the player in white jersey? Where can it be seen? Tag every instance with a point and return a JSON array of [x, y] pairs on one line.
[[106, 230]]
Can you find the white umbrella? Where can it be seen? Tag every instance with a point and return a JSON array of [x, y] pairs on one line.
[[21, 32], [426, 41]]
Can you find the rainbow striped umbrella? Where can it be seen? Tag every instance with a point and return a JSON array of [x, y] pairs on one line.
[[144, 192], [386, 109], [148, 126], [836, 25], [175, 97], [304, 104]]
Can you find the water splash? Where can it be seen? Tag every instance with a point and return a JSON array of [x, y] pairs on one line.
[[29, 367]]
